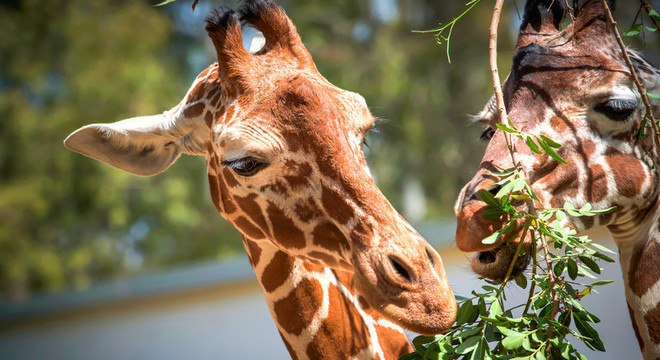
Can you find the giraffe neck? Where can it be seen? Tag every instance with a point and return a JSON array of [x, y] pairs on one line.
[[317, 311], [638, 240]]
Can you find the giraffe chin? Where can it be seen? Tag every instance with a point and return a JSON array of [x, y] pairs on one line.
[[425, 306]]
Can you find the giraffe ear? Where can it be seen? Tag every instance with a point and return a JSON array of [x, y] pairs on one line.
[[142, 145]]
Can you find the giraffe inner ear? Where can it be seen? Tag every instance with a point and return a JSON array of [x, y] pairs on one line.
[[143, 145]]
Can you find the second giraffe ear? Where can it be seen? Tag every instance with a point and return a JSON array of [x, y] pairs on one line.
[[143, 145]]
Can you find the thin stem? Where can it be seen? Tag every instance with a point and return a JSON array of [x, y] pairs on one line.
[[497, 87], [534, 265], [513, 261], [631, 68]]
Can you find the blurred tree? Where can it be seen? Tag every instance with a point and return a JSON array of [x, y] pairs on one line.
[[66, 221]]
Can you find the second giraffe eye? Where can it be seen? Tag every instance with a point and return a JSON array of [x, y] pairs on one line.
[[617, 109], [246, 166]]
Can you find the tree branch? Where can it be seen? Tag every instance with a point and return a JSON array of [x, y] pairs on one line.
[[633, 71]]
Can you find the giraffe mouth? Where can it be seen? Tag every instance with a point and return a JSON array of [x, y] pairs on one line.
[[494, 264]]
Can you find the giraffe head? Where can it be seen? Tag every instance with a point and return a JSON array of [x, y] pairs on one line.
[[285, 165], [573, 86]]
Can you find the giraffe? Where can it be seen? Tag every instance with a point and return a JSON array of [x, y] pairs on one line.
[[573, 86], [340, 269]]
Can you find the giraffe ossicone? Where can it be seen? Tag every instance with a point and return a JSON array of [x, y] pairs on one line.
[[340, 269], [573, 86]]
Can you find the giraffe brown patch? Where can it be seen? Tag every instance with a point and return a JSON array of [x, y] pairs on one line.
[[194, 110], [393, 343], [253, 250], [587, 222], [362, 233], [652, 319], [216, 98], [246, 227], [208, 118], [313, 267], [215, 193], [229, 178], [229, 113], [343, 322], [635, 327], [224, 199], [252, 210], [296, 311], [328, 236], [596, 184], [213, 77], [277, 271], [327, 259], [307, 210], [644, 270], [277, 187], [284, 230], [301, 173], [628, 174], [336, 206]]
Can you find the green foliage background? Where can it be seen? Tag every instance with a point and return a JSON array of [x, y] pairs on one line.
[[67, 221]]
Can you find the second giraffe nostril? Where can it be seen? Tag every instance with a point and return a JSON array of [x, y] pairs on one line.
[[400, 269], [487, 257], [494, 189]]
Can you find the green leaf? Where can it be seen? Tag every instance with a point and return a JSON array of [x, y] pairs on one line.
[[480, 351], [505, 189], [653, 96], [559, 268], [492, 238], [590, 263], [521, 280], [565, 318], [560, 215], [493, 213], [467, 345], [551, 152], [591, 337], [164, 2], [489, 198], [602, 282], [550, 142], [572, 269], [514, 341], [495, 309], [506, 128], [532, 145], [464, 313], [602, 248], [633, 30]]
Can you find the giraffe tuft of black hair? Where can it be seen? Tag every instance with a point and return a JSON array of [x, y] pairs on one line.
[[253, 11], [537, 12], [220, 19]]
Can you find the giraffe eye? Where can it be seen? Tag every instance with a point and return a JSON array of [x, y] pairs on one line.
[[246, 166], [487, 134], [617, 109]]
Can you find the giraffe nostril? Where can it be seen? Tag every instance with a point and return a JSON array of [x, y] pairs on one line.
[[430, 256], [400, 269], [494, 189], [487, 257]]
